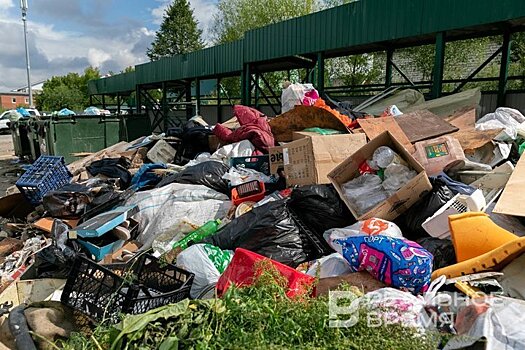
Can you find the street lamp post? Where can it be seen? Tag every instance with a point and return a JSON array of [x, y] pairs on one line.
[[24, 7]]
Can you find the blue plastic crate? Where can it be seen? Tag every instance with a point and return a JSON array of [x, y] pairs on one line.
[[48, 173]]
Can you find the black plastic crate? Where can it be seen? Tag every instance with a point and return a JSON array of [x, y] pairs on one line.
[[103, 292], [46, 174]]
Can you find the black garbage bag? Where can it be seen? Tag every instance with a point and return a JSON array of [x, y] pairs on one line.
[[74, 200], [320, 208], [411, 220], [56, 260], [195, 141], [115, 168], [268, 230], [207, 173], [441, 249], [69, 201]]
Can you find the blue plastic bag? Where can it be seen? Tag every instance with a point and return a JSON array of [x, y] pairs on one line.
[[396, 262]]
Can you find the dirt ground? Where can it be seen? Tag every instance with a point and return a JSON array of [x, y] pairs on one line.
[[9, 165]]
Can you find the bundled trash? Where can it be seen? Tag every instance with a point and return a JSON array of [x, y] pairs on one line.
[[176, 232]]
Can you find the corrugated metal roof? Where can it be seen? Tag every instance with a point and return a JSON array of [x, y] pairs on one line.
[[364, 24], [123, 82]]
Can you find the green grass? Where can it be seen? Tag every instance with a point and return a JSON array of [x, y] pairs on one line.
[[256, 317]]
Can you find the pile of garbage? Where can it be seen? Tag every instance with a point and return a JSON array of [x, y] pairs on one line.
[[413, 217]]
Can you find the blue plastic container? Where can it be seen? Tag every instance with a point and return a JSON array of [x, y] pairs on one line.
[[47, 173]]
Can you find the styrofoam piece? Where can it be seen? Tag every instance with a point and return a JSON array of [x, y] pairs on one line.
[[492, 184], [162, 152], [437, 225]]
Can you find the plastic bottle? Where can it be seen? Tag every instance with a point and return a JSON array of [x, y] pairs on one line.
[[199, 234], [384, 156]]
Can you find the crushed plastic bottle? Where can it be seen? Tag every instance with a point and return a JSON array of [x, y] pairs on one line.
[[364, 193], [384, 156], [396, 176]]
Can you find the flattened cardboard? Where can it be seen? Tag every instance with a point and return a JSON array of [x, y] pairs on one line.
[[511, 200], [463, 120], [297, 135], [373, 127], [423, 125], [402, 199], [308, 160]]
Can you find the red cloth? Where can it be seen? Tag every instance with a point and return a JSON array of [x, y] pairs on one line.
[[243, 269], [254, 127]]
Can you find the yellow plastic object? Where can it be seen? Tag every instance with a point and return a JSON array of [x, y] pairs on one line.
[[474, 234], [480, 245], [494, 260], [468, 290]]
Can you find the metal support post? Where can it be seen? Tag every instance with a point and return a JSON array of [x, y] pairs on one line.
[[320, 72], [164, 103], [256, 83], [504, 69], [197, 96], [118, 103], [389, 60], [189, 109], [219, 108], [138, 100], [439, 63]]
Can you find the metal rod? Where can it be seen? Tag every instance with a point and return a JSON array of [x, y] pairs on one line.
[[504, 69], [402, 74], [479, 69], [24, 7], [388, 73]]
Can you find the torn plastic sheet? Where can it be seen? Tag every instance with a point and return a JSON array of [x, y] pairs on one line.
[[164, 207]]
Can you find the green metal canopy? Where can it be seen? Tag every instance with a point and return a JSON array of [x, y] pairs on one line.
[[358, 27]]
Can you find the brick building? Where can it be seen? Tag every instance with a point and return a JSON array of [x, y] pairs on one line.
[[11, 100]]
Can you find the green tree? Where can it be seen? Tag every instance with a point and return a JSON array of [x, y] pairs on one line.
[[178, 33], [235, 17], [68, 91]]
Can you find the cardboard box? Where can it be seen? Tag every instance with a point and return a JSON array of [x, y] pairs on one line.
[[402, 199], [308, 160], [510, 202]]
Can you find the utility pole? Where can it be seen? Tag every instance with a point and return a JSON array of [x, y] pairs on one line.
[[24, 7]]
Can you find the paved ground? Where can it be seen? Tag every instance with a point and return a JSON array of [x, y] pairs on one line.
[[9, 165]]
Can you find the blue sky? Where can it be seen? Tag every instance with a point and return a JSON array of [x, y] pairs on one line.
[[68, 35]]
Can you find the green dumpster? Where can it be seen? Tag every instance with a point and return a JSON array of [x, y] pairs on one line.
[[134, 126], [34, 140], [76, 134], [19, 133]]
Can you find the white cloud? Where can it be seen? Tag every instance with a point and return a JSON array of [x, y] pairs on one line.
[[58, 52], [6, 4], [96, 57]]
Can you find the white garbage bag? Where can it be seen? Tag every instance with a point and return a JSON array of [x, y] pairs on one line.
[[370, 227], [294, 95], [162, 208], [239, 149], [207, 262], [504, 118], [496, 321], [330, 266]]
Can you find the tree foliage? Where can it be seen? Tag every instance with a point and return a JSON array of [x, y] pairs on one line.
[[178, 33], [235, 17], [68, 91]]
